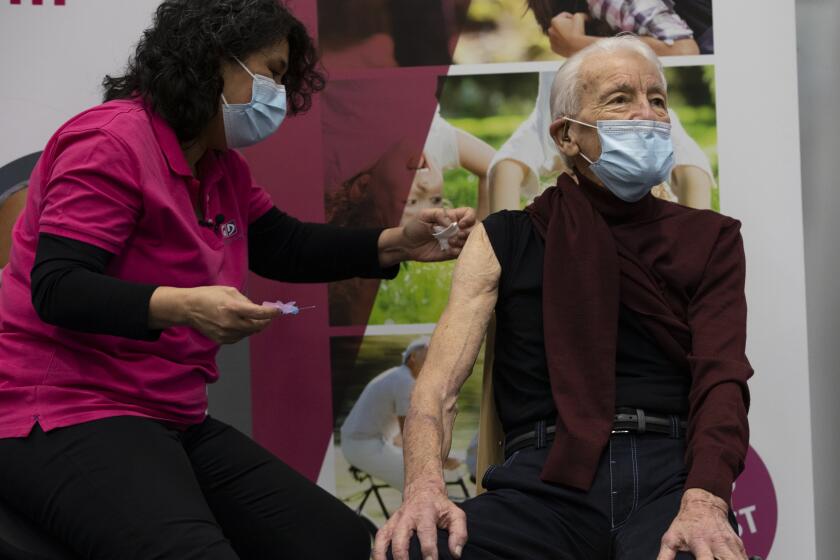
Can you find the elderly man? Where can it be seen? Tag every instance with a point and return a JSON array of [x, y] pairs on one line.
[[620, 374]]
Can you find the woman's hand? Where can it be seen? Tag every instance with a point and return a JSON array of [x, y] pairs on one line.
[[220, 313], [414, 240]]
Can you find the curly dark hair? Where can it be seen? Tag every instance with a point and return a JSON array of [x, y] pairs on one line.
[[177, 63]]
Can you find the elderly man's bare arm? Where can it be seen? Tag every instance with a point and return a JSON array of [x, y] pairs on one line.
[[428, 428]]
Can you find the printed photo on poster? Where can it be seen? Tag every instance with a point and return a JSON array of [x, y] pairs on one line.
[[372, 382], [510, 114], [356, 34], [531, 30]]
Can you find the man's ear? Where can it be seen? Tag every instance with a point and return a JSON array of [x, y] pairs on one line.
[[560, 134]]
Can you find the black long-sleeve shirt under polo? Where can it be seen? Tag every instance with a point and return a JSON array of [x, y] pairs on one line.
[[70, 288]]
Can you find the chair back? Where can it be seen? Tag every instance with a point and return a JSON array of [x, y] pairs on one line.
[[14, 173]]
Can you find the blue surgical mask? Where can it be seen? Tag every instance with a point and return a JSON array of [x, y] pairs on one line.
[[249, 123], [636, 156]]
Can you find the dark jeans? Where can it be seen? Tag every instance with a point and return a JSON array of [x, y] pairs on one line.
[[132, 488], [634, 499]]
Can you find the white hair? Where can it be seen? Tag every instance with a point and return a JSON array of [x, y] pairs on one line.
[[414, 346], [565, 91]]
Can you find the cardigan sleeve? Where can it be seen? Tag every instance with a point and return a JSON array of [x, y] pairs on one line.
[[718, 432]]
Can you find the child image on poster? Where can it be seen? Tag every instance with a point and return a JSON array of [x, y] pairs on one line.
[[447, 148], [495, 30], [373, 196]]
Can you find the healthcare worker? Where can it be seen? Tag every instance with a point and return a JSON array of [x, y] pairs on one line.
[[126, 272]]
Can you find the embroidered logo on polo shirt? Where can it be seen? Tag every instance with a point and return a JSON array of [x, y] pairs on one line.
[[229, 229]]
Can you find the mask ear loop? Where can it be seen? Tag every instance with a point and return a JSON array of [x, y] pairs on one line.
[[225, 101], [566, 137], [580, 122], [244, 67]]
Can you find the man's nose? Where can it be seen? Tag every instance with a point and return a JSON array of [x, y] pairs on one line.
[[643, 111]]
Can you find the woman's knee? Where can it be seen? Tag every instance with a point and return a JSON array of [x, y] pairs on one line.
[[348, 538]]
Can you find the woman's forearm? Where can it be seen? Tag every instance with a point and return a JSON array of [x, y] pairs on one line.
[[283, 248], [167, 307]]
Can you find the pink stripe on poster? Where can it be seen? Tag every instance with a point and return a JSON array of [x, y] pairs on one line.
[[350, 126]]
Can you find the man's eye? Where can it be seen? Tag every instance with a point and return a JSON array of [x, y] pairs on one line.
[[658, 102], [437, 199], [412, 201], [619, 99]]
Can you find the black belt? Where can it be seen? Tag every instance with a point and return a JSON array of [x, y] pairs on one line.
[[625, 421]]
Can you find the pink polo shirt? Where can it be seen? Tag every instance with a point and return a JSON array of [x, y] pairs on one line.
[[115, 177]]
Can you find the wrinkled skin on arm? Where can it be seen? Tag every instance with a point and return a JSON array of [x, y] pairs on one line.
[[428, 427]]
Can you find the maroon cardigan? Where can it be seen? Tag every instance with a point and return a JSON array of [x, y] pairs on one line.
[[682, 270]]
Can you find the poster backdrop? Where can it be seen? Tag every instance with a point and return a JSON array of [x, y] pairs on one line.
[[425, 98]]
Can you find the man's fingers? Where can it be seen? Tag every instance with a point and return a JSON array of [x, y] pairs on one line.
[[382, 542], [427, 535], [666, 553], [456, 524], [400, 538], [669, 548], [701, 551], [728, 548]]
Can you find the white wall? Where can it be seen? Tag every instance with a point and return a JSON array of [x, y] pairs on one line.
[[53, 59], [819, 87]]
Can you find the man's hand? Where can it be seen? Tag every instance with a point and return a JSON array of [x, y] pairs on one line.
[[702, 528], [414, 241], [426, 508], [568, 33]]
